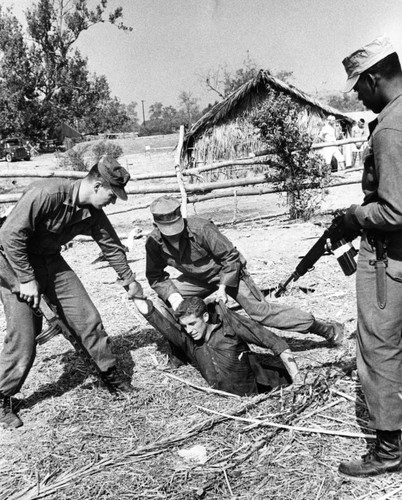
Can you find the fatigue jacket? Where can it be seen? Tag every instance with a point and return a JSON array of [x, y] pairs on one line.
[[204, 254], [382, 182], [46, 217], [224, 358]]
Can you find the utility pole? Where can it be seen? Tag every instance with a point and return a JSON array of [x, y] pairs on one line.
[[143, 113]]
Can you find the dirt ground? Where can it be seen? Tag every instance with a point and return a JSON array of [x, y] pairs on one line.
[[78, 442]]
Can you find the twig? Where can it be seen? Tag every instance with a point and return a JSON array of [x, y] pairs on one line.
[[227, 482], [350, 398], [387, 495], [290, 427], [319, 410], [319, 489], [208, 390], [134, 456]]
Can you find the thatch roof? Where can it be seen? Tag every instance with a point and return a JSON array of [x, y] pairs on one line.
[[252, 92]]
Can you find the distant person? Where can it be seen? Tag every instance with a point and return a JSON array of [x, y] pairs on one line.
[[209, 263], [359, 131], [216, 340], [47, 216], [374, 72], [329, 134]]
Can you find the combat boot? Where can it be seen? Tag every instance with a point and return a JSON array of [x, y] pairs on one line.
[[386, 456], [118, 384], [8, 416], [332, 331]]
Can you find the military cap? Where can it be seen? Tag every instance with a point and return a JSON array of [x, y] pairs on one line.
[[114, 174], [167, 215], [364, 58]]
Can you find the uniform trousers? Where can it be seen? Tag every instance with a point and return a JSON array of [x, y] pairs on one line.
[[379, 344], [64, 289]]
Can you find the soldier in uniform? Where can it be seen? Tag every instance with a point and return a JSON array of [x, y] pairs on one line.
[[48, 215], [209, 263], [374, 72]]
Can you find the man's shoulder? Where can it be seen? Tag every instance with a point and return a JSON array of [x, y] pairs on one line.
[[154, 235], [51, 186], [195, 222], [393, 118]]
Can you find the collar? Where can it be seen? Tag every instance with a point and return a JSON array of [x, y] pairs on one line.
[[72, 198], [211, 331], [387, 108]]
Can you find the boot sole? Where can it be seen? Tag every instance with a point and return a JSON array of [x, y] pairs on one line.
[[364, 478]]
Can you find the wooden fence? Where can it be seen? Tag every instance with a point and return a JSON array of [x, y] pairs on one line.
[[189, 190]]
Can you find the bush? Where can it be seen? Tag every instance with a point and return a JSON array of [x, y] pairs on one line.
[[301, 172], [83, 156], [74, 158], [106, 147]]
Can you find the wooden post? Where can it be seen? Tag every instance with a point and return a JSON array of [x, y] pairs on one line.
[[179, 175]]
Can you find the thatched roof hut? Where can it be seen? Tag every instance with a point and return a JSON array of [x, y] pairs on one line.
[[225, 132]]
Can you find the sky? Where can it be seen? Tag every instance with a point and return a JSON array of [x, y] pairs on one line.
[[175, 43]]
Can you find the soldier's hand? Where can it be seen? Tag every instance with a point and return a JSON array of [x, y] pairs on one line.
[[175, 299], [29, 292], [134, 290], [221, 294]]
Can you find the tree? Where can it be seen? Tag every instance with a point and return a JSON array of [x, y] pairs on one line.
[[17, 87], [344, 102], [155, 111], [300, 172], [54, 79], [162, 120], [223, 81], [189, 108]]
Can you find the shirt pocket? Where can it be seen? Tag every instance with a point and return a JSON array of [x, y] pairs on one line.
[[199, 257], [54, 225]]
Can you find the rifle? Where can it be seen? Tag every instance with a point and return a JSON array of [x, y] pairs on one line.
[[343, 250], [56, 324]]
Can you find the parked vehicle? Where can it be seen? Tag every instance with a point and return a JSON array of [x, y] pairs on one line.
[[14, 149]]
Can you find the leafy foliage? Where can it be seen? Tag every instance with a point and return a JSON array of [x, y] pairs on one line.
[[167, 119], [223, 81], [299, 167], [83, 156], [74, 158], [45, 82], [101, 148], [344, 102]]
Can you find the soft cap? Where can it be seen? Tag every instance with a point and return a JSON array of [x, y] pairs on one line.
[[114, 174], [365, 57], [167, 215]]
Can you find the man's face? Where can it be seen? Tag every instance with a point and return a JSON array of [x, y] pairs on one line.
[[102, 196], [195, 326], [367, 94], [173, 238]]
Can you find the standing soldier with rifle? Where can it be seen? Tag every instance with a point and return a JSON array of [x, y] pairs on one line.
[[48, 215], [374, 72], [209, 263]]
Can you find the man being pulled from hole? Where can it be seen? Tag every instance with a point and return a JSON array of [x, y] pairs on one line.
[[216, 341], [48, 215], [209, 263]]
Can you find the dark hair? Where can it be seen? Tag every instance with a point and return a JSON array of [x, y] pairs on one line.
[[387, 67], [193, 305]]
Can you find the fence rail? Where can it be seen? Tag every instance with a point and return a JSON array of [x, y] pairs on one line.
[[189, 191]]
